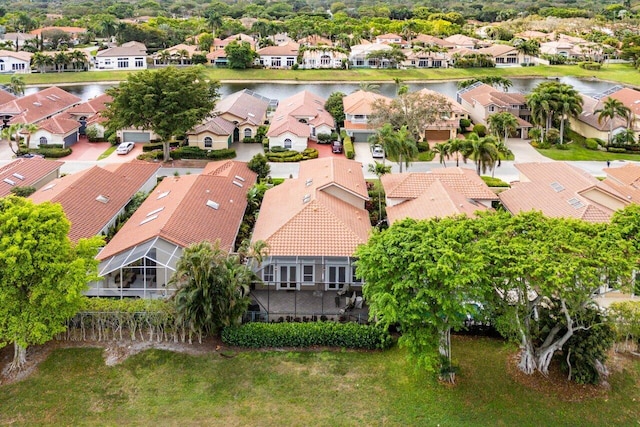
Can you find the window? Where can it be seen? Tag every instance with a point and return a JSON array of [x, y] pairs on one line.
[[492, 109], [355, 279], [17, 67], [247, 133], [276, 62], [337, 275], [268, 273], [290, 62], [139, 62], [107, 62], [288, 277], [43, 140], [436, 64], [208, 142], [123, 62], [287, 143], [423, 63], [325, 60], [307, 274]]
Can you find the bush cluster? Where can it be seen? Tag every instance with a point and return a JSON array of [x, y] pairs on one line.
[[593, 66], [347, 145], [331, 334], [423, 146], [591, 144], [54, 152], [284, 156], [198, 153], [152, 146], [494, 182], [480, 130]]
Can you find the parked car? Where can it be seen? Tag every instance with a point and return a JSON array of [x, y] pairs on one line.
[[125, 147], [377, 152], [31, 156], [336, 147]]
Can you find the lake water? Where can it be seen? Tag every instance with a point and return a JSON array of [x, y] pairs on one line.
[[281, 91]]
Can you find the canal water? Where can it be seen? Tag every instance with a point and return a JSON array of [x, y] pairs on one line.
[[281, 91]]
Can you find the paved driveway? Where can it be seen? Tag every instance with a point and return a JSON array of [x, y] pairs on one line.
[[85, 151]]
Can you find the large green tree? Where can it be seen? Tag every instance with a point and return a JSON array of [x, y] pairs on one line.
[[502, 124], [212, 288], [335, 107], [544, 265], [423, 276], [169, 101], [42, 274], [240, 55]]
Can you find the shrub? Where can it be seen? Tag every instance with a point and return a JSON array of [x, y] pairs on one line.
[[552, 136], [494, 182], [248, 140], [23, 191], [423, 146], [92, 133], [348, 335], [278, 149], [616, 150], [310, 153], [225, 153], [593, 66], [563, 147], [50, 146], [349, 151], [591, 144], [259, 165], [188, 153], [464, 124], [54, 153], [152, 146], [480, 130], [284, 156], [151, 155], [265, 144], [324, 138]]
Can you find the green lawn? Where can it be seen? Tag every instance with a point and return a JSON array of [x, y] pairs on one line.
[[578, 152], [107, 152], [620, 73], [74, 387]]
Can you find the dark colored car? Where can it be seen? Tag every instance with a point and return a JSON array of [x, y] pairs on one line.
[[336, 147], [31, 156]]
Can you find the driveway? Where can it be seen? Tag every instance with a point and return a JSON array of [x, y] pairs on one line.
[[85, 151]]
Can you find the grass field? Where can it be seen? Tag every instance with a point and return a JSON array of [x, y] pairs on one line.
[[280, 388], [621, 73], [577, 152]]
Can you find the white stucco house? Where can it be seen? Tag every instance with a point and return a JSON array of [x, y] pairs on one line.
[[129, 56], [15, 62]]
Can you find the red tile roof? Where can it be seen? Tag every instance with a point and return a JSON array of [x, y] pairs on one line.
[[59, 125], [79, 195], [288, 49], [93, 106], [361, 102], [215, 125], [38, 106], [26, 173], [177, 210], [319, 213], [6, 96], [303, 105], [246, 105]]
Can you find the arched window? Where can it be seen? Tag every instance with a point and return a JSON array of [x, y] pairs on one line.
[[247, 133], [287, 143], [325, 60], [43, 140], [208, 142]]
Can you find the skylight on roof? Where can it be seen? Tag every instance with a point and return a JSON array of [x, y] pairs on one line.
[[557, 186], [17, 175], [8, 181], [213, 204], [251, 115], [37, 104], [576, 203], [155, 211], [239, 184], [48, 187], [162, 195], [306, 198], [102, 199], [308, 182], [148, 219], [239, 178]]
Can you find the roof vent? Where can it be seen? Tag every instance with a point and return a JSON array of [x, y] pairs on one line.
[[102, 199], [306, 198], [48, 187], [163, 195], [148, 219], [239, 184], [308, 182], [37, 104], [155, 211], [557, 186], [17, 175], [8, 181], [213, 204], [239, 178]]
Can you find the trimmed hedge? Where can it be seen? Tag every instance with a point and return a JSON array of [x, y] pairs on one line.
[[310, 153], [349, 151], [226, 153], [284, 156], [591, 144], [54, 153], [198, 153], [494, 182], [330, 334], [151, 146]]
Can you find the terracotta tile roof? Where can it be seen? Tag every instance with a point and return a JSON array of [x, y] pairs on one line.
[[461, 40], [528, 35], [315, 40], [498, 50], [282, 124], [191, 49], [412, 185], [486, 95], [81, 199], [17, 36], [21, 55], [439, 200], [432, 40], [629, 97], [590, 117], [625, 180], [361, 102], [6, 97], [215, 125], [58, 125], [303, 105], [288, 49], [558, 189], [306, 216], [38, 106], [93, 106], [216, 54], [70, 30], [221, 44], [245, 105], [26, 173], [182, 215], [126, 49]]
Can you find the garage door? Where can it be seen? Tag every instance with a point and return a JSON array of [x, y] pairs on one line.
[[437, 135], [136, 137]]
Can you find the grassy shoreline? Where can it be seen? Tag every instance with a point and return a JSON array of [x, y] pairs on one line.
[[615, 73]]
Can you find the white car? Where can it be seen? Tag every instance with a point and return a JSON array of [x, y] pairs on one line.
[[377, 152], [125, 147]]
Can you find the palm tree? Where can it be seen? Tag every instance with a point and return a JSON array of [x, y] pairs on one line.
[[458, 147], [12, 133], [502, 124], [503, 152], [383, 137], [379, 169], [16, 85], [182, 54], [483, 151], [78, 59], [61, 60], [402, 147], [441, 149], [569, 104], [41, 61], [612, 108], [542, 103], [29, 129], [369, 87]]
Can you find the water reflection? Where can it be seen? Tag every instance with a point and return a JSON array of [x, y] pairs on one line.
[[283, 90]]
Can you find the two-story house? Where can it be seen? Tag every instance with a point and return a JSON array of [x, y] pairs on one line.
[[129, 56]]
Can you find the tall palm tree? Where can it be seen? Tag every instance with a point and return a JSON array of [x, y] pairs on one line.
[[458, 147], [442, 150], [503, 152], [29, 129], [502, 124], [369, 87], [383, 137], [61, 60], [17, 85], [379, 169], [12, 133], [483, 151], [41, 61], [78, 59], [569, 104], [402, 147], [612, 108]]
